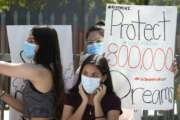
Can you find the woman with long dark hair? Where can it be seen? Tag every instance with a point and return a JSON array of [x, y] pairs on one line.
[[43, 94], [92, 97]]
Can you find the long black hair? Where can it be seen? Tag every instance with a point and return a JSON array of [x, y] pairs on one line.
[[48, 55], [101, 63]]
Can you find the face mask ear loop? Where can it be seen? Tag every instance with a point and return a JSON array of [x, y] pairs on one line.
[[22, 56]]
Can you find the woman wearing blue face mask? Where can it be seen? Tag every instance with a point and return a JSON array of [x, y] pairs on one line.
[[92, 98], [94, 40], [44, 88], [94, 44]]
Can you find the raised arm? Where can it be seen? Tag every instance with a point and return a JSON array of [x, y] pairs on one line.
[[19, 70], [39, 76], [79, 112], [77, 115], [100, 93]]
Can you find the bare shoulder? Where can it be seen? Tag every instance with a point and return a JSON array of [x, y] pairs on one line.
[[41, 71], [44, 80]]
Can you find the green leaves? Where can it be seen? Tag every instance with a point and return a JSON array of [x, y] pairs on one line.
[[4, 5], [39, 5]]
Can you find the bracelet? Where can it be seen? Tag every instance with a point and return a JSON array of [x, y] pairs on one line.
[[99, 117], [2, 94]]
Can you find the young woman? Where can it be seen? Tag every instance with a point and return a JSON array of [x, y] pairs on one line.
[[44, 90], [93, 43], [94, 39], [92, 98]]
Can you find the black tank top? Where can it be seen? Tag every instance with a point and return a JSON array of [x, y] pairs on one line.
[[38, 104]]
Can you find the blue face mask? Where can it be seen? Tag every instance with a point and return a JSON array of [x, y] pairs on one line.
[[29, 50], [90, 84], [95, 48]]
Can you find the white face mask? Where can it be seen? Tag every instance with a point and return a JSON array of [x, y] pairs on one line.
[[90, 84]]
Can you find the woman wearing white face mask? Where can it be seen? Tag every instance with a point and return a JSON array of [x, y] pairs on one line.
[[92, 98], [44, 89]]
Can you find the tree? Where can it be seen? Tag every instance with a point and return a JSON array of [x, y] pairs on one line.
[[137, 2], [6, 5], [39, 5], [146, 2]]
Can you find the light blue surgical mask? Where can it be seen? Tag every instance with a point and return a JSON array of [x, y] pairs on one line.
[[95, 48], [90, 84], [29, 50]]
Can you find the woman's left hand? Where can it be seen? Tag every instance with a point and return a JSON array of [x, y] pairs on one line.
[[100, 92], [174, 67]]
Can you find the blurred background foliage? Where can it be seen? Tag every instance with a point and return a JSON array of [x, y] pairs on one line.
[[39, 5]]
